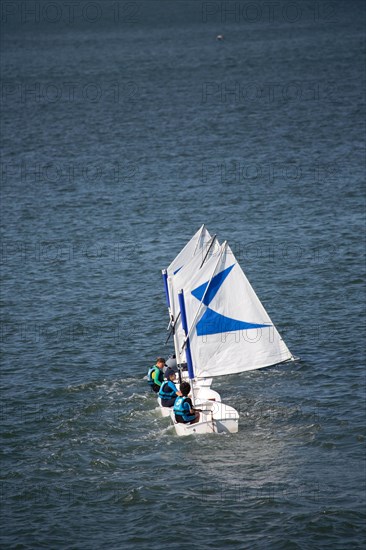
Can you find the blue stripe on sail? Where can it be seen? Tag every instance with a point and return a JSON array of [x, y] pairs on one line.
[[215, 323], [215, 284], [176, 271]]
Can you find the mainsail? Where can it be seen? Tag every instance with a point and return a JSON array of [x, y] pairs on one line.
[[196, 244], [229, 329], [179, 281], [189, 259]]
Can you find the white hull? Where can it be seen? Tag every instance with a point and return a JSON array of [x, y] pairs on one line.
[[200, 382], [165, 411], [202, 395], [215, 418]]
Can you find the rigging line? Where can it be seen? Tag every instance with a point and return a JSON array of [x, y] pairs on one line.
[[173, 325], [172, 328], [223, 247], [198, 240], [208, 251], [213, 425]]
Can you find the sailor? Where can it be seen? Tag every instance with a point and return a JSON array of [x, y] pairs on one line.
[[183, 408], [168, 391], [155, 376], [172, 363]]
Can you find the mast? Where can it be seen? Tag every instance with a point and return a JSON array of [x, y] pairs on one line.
[[173, 332], [165, 280], [188, 346]]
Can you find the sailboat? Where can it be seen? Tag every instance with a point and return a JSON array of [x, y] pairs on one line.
[[223, 329]]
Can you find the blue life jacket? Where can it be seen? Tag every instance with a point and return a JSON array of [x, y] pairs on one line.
[[182, 408], [167, 390]]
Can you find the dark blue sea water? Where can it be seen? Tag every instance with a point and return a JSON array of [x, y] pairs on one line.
[[125, 126]]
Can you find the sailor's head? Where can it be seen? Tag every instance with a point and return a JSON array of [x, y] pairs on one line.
[[185, 388], [169, 374], [160, 362]]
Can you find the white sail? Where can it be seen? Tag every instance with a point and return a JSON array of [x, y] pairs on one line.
[[194, 246], [187, 262], [180, 280], [229, 329], [184, 275]]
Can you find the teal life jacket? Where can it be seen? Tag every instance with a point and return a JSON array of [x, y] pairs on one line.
[[167, 390], [181, 410]]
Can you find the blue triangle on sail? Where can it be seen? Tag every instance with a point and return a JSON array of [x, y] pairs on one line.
[[215, 323], [215, 284]]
